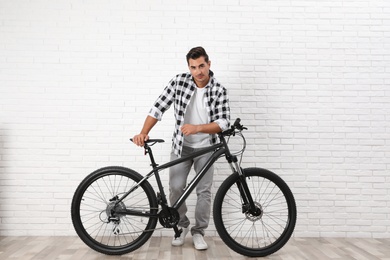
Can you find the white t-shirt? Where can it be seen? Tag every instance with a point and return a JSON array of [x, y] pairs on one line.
[[196, 114]]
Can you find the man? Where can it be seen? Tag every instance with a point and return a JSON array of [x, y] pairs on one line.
[[201, 108]]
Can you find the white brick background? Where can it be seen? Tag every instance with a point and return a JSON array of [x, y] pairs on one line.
[[310, 79]]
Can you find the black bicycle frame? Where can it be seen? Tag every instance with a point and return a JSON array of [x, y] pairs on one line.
[[217, 149]]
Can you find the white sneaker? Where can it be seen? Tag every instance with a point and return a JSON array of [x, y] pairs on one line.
[[180, 240], [199, 242]]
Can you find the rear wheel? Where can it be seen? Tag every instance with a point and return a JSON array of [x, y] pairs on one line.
[[260, 233], [94, 207]]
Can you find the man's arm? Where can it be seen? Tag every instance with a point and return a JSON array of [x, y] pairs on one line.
[[163, 102], [144, 135], [211, 128]]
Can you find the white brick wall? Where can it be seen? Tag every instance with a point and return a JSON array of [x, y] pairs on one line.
[[310, 79]]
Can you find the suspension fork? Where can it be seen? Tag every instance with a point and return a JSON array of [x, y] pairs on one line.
[[248, 203]]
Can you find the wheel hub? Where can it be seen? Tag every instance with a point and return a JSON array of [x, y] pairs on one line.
[[257, 216], [112, 209]]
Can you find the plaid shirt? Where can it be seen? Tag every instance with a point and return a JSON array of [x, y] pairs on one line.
[[179, 92]]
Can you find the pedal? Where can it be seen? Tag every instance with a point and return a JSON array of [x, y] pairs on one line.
[[177, 231]]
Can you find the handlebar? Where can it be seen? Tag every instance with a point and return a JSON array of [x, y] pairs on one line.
[[236, 126]]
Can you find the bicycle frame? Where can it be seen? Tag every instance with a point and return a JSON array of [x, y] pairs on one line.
[[218, 150]]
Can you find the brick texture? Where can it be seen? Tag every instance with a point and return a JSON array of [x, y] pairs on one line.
[[310, 79]]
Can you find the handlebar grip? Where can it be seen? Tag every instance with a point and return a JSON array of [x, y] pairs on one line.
[[236, 126], [237, 122]]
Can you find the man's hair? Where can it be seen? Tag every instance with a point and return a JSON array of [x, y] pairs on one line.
[[196, 53]]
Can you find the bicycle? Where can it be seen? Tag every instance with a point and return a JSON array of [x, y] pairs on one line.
[[115, 209]]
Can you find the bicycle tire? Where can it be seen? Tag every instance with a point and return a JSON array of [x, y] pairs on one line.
[[91, 207], [255, 236]]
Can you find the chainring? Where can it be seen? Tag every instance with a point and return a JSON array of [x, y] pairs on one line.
[[169, 217]]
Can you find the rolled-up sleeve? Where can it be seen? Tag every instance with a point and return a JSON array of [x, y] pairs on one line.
[[164, 101], [223, 124], [222, 111]]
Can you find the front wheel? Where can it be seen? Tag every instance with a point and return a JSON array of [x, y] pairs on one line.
[[97, 213], [268, 229]]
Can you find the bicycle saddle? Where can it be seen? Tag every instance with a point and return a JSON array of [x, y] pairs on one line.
[[153, 141]]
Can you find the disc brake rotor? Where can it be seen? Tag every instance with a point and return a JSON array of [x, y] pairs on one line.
[[255, 218]]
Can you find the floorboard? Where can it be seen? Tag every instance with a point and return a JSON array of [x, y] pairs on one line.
[[61, 248]]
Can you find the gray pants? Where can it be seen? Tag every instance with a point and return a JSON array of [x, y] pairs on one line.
[[177, 182]]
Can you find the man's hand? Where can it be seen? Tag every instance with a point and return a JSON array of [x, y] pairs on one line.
[[140, 139], [143, 136], [189, 129]]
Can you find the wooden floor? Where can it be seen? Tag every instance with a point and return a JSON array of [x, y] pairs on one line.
[[50, 248]]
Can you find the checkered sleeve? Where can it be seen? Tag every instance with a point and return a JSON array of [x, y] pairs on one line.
[[164, 101], [221, 113]]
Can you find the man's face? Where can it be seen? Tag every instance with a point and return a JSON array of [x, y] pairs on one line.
[[199, 69]]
